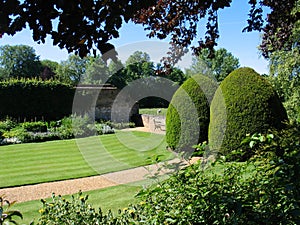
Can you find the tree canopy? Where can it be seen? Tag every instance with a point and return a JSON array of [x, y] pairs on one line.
[[221, 65], [19, 61], [88, 25]]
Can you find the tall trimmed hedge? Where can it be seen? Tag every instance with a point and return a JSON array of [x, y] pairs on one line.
[[244, 103], [187, 117], [35, 99]]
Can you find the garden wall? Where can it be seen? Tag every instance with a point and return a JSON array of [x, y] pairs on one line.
[[154, 123]]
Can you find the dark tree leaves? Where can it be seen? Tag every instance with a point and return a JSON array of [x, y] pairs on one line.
[[85, 25]]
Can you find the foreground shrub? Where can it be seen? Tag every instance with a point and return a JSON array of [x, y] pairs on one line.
[[7, 216], [265, 190], [249, 105], [187, 117]]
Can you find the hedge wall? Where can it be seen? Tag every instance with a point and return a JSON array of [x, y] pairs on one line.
[[245, 103], [35, 99]]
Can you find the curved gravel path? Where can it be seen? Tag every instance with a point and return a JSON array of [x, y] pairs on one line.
[[66, 187]]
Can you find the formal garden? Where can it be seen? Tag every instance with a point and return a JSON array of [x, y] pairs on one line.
[[243, 127], [248, 172]]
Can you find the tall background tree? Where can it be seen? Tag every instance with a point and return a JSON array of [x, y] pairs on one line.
[[285, 68], [96, 72], [222, 64], [19, 61], [138, 65], [72, 69]]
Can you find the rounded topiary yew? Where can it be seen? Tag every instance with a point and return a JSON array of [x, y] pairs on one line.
[[187, 116], [244, 103]]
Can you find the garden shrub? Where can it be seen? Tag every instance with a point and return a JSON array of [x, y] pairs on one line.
[[76, 211], [7, 124], [251, 105], [187, 117], [16, 135], [104, 129], [74, 126], [38, 126]]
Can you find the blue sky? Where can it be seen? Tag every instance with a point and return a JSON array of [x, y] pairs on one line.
[[132, 37]]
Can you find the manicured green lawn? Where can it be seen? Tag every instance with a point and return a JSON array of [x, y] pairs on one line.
[[114, 198], [59, 160], [153, 111]]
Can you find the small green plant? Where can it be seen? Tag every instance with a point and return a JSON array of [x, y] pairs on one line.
[[74, 211], [104, 129], [6, 215], [38, 126], [200, 148], [7, 124]]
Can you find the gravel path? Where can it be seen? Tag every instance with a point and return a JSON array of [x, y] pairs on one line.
[[66, 187]]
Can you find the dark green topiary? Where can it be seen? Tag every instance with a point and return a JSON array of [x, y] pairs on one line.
[[244, 103], [187, 117]]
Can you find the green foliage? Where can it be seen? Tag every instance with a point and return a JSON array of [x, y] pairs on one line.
[[6, 215], [284, 71], [16, 135], [244, 103], [38, 126], [35, 99], [7, 124], [96, 72], [188, 116], [71, 70], [19, 61], [265, 190], [221, 65], [76, 211], [75, 126], [104, 129], [138, 65], [69, 127], [117, 74]]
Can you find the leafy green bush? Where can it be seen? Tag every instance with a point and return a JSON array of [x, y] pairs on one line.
[[38, 126], [251, 105], [188, 116], [104, 129], [76, 211], [7, 124], [74, 126], [16, 135]]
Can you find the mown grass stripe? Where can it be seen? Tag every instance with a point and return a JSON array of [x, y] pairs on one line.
[[58, 160]]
